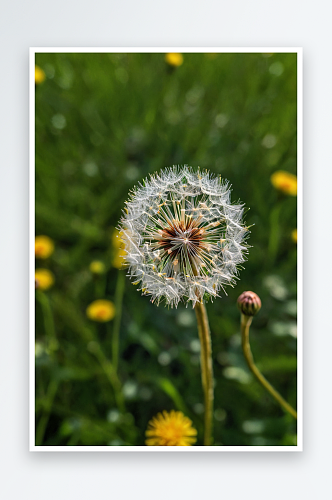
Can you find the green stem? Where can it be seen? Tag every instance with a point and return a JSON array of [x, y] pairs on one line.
[[274, 233], [110, 374], [245, 325], [47, 314], [119, 291], [206, 369], [100, 285], [42, 424], [53, 385]]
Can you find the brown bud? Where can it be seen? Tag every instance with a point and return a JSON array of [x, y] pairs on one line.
[[249, 303]]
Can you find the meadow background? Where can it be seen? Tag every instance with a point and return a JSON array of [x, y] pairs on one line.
[[103, 122]]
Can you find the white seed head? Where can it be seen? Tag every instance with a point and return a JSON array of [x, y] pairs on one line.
[[183, 238]]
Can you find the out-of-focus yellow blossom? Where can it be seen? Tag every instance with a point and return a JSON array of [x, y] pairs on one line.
[[174, 59], [285, 182], [119, 258], [97, 267], [44, 279], [120, 253], [294, 235], [117, 241], [39, 75], [44, 247], [101, 310], [170, 429]]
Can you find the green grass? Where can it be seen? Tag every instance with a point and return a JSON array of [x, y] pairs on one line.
[[104, 122]]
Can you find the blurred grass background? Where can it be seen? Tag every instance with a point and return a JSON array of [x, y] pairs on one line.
[[103, 122]]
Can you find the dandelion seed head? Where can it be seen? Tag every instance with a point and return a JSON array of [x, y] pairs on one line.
[[183, 238]]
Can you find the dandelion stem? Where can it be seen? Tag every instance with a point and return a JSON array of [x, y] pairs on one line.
[[53, 385], [206, 369], [274, 234], [42, 424], [100, 285], [110, 373], [119, 291], [47, 314], [245, 325]]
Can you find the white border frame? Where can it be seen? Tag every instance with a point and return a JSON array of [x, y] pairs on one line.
[[299, 52]]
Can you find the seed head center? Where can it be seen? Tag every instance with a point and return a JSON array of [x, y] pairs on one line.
[[181, 236]]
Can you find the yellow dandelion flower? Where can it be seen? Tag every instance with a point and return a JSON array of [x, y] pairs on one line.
[[117, 240], [39, 75], [174, 59], [97, 267], [44, 279], [294, 235], [44, 247], [120, 253], [170, 429], [285, 182], [101, 310], [119, 258]]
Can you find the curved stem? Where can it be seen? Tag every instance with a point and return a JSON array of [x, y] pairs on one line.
[[245, 325], [206, 369]]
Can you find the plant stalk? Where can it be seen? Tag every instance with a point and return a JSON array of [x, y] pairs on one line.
[[42, 425], [206, 369], [274, 234], [119, 291], [245, 325], [52, 343], [47, 315], [110, 374]]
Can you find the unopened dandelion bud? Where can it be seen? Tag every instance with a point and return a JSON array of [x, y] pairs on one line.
[[249, 303]]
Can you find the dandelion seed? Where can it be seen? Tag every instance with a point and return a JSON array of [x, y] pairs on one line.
[[183, 238], [170, 429]]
